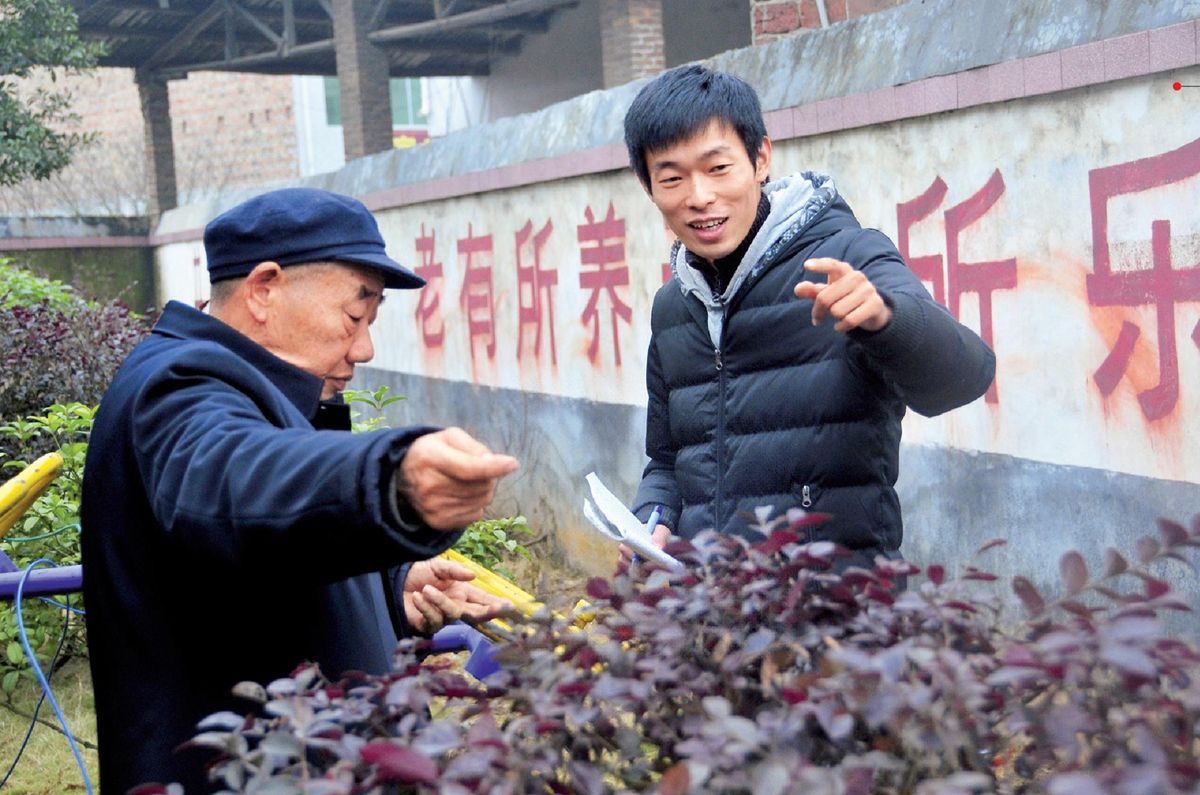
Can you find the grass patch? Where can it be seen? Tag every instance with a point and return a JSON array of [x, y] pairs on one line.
[[48, 767]]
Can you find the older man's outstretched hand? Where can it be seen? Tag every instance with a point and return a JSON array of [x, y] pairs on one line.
[[449, 477]]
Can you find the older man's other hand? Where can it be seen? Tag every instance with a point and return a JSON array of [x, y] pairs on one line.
[[438, 592], [449, 477]]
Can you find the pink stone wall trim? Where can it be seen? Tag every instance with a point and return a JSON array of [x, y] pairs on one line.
[[1136, 55], [182, 236], [589, 161], [779, 124]]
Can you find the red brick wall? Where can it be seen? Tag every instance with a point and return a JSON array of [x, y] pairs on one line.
[[229, 129], [232, 129], [774, 18]]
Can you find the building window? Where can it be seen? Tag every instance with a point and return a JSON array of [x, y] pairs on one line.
[[406, 103], [333, 102], [407, 113]]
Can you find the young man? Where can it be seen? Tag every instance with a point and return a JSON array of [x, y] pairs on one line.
[[789, 342], [232, 527]]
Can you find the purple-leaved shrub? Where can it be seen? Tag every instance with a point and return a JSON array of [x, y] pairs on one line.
[[759, 670], [51, 354]]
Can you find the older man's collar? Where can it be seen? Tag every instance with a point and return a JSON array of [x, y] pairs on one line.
[[302, 389]]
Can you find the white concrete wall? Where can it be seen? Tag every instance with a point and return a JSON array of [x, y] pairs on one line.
[[320, 146]]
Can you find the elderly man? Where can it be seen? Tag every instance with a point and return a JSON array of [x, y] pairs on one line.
[[232, 527]]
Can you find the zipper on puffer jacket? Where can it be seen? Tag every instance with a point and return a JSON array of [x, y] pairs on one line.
[[807, 496], [718, 520]]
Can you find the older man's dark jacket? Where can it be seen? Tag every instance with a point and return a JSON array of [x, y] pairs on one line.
[[226, 539], [751, 406]]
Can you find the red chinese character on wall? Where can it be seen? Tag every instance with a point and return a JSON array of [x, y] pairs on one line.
[[949, 284], [927, 267], [1161, 285], [533, 290], [476, 298], [602, 247], [429, 319]]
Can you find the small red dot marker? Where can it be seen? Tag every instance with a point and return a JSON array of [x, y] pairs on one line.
[[1177, 86]]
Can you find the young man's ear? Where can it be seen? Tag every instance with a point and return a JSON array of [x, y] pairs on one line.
[[762, 166], [260, 285]]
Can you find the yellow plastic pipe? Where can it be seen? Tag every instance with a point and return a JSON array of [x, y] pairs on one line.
[[505, 588], [18, 493], [496, 585]]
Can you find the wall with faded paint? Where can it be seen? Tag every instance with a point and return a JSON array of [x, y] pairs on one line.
[[1061, 223], [1064, 229]]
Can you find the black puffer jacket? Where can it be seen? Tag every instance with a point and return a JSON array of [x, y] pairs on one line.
[[750, 405]]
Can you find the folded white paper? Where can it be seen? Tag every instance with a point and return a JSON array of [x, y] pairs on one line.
[[614, 521]]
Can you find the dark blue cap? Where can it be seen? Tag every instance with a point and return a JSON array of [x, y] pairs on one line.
[[295, 226]]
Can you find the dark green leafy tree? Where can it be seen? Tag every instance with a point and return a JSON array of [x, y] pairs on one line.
[[38, 34]]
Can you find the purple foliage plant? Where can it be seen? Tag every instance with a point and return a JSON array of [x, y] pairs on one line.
[[761, 669]]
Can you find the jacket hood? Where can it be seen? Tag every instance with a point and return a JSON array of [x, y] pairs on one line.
[[805, 208]]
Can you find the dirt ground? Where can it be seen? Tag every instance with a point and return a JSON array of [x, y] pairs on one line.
[[547, 578]]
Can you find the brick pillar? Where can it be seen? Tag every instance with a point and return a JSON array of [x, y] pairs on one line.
[[363, 78], [631, 40], [159, 146]]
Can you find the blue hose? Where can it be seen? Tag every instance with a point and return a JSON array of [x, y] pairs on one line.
[[41, 677]]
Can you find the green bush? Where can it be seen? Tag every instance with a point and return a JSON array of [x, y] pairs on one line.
[[376, 400], [57, 348], [491, 542], [49, 529], [19, 287]]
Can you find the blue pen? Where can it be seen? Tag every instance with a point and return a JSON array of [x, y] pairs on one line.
[[651, 523]]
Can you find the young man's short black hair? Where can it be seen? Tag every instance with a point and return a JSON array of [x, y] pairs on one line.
[[680, 103]]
